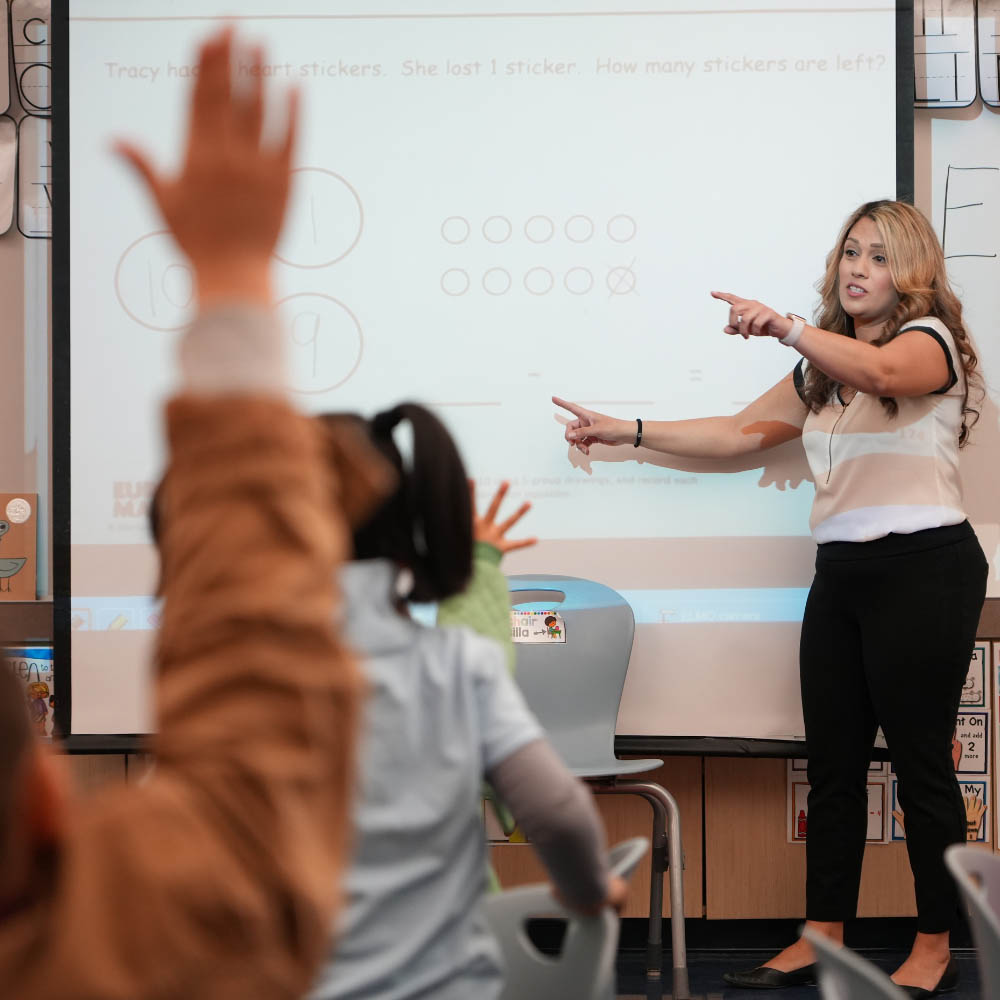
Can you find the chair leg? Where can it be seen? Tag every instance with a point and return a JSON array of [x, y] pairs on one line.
[[666, 845]]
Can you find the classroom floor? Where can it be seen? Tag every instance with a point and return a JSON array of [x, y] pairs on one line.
[[705, 969]]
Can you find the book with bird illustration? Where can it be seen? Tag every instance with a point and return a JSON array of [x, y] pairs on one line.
[[18, 539]]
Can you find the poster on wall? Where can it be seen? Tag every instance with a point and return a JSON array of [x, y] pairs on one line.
[[32, 665], [974, 691], [970, 746], [975, 802], [995, 702], [944, 54], [34, 178], [8, 171], [798, 808], [29, 21], [18, 545], [989, 56], [5, 81]]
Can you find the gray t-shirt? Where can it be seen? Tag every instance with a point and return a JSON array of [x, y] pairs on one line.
[[442, 711]]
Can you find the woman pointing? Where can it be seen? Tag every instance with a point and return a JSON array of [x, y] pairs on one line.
[[880, 398]]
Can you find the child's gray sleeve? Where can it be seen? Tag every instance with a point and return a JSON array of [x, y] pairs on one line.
[[556, 813]]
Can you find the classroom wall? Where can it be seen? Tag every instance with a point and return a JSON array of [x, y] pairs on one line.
[[25, 395]]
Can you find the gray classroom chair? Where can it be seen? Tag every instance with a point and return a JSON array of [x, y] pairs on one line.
[[843, 975], [977, 872], [574, 689], [585, 968]]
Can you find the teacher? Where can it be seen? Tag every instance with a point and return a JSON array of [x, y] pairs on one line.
[[881, 400]]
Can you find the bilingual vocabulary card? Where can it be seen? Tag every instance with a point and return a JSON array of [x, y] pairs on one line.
[[537, 626]]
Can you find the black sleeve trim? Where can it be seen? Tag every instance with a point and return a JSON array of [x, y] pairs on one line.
[[952, 377], [799, 379]]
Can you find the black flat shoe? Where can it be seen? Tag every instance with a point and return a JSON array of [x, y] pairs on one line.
[[764, 978], [946, 984]]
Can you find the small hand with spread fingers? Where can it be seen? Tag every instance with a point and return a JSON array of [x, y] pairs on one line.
[[226, 205], [590, 427], [487, 529], [750, 318]]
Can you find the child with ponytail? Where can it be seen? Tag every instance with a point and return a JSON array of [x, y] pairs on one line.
[[442, 715]]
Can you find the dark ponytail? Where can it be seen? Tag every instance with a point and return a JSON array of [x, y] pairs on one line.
[[426, 525]]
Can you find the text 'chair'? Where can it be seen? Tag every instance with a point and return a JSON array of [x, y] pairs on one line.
[[977, 873], [585, 967], [843, 975], [574, 688]]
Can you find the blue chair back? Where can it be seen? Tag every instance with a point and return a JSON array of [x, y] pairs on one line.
[[574, 687]]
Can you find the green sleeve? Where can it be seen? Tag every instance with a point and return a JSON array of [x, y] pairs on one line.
[[484, 606]]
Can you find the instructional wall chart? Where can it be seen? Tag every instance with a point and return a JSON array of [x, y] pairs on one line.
[[972, 757]]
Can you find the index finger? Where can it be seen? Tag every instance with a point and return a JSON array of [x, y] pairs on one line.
[[726, 297], [577, 411]]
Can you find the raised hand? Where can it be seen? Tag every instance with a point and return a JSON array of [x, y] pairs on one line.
[[488, 529], [226, 206], [750, 318], [590, 427]]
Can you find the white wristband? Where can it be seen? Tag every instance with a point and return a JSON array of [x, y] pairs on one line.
[[791, 338]]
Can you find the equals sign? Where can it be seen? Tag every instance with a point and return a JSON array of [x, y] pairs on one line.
[[695, 374]]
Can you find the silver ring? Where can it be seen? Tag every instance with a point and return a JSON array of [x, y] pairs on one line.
[[739, 319]]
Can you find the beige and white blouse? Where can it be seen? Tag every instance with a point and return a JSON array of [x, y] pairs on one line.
[[876, 474]]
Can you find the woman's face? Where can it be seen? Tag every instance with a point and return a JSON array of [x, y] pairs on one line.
[[867, 293]]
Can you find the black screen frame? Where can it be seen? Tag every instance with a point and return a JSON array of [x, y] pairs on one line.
[[62, 429]]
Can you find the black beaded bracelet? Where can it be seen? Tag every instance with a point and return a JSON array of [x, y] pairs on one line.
[[638, 433]]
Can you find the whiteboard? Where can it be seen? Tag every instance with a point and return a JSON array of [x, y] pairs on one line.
[[965, 186], [492, 206]]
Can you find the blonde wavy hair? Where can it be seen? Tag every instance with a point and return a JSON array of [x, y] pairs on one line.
[[916, 265]]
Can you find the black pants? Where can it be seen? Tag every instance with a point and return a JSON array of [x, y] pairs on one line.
[[887, 637]]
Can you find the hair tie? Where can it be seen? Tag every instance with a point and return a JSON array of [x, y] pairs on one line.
[[384, 422]]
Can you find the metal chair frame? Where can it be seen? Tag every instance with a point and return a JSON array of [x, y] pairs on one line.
[[609, 776]]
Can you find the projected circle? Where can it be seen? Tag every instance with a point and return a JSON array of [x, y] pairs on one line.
[[621, 228], [455, 281], [539, 229], [578, 280], [497, 229], [325, 342], [325, 219], [497, 281], [154, 284], [621, 280], [455, 229], [539, 281], [579, 228]]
